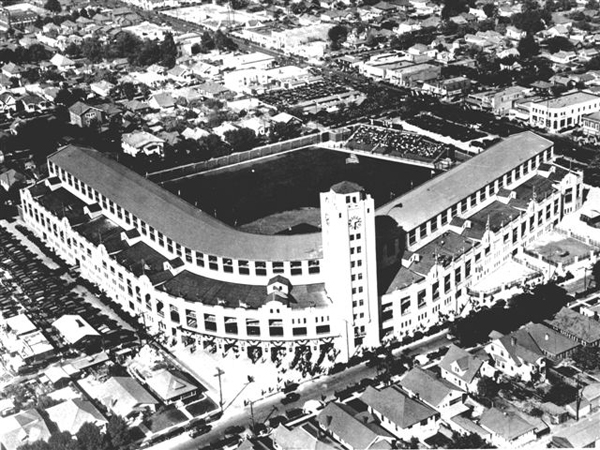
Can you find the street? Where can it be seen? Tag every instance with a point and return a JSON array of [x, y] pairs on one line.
[[311, 390]]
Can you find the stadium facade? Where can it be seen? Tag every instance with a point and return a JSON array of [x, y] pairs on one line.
[[368, 276]]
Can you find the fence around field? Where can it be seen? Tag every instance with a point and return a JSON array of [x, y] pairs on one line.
[[176, 173]]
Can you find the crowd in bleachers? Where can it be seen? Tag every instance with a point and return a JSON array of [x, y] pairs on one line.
[[395, 142]]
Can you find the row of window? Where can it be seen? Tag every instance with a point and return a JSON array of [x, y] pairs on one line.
[[212, 262], [476, 198]]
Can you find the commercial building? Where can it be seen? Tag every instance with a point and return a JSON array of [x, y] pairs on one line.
[[202, 282], [566, 111]]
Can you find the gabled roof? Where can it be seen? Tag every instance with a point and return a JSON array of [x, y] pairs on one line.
[[572, 323], [25, 427], [397, 406], [74, 328], [169, 385], [80, 108], [430, 389], [506, 424], [20, 324], [579, 435], [123, 394], [550, 341], [72, 414], [297, 439], [521, 347], [468, 364], [340, 420]]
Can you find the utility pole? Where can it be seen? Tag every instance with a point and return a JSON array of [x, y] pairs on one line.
[[219, 374]]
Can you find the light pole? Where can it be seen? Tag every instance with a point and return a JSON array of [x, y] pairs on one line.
[[219, 374]]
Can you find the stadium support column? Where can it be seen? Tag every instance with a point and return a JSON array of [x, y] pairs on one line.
[[350, 265]]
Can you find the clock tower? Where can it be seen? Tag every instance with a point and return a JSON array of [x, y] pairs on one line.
[[350, 265]]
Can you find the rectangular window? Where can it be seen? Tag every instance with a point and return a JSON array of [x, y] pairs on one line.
[[447, 285], [435, 291], [404, 305], [421, 298], [457, 275]]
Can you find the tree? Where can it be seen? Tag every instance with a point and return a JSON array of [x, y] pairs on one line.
[[118, 432], [337, 35], [561, 394], [281, 131], [528, 47], [91, 48], [471, 440], [223, 42], [490, 10], [36, 445], [90, 437], [168, 51], [53, 6], [487, 388], [559, 43], [241, 140], [587, 358], [62, 440]]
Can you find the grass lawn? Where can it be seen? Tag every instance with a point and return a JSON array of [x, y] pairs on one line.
[[165, 419]]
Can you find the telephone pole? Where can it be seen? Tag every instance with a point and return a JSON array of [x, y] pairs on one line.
[[219, 374]]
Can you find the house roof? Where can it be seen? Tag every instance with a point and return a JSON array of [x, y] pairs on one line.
[[74, 328], [169, 385], [430, 389], [72, 414], [80, 108], [59, 60], [549, 341], [570, 322], [468, 365], [140, 139], [164, 100], [298, 439], [22, 428], [192, 228], [521, 347], [505, 424], [20, 324], [442, 192], [340, 420], [123, 394], [579, 435], [397, 406]]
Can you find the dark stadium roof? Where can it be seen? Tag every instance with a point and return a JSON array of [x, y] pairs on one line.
[[444, 191], [176, 218]]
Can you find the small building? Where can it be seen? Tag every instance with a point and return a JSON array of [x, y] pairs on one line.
[[10, 178], [582, 329], [402, 415], [162, 101], [554, 345], [583, 434], [507, 429], [171, 386], [517, 355], [566, 111], [84, 115], [72, 414], [142, 142], [463, 369], [22, 428], [125, 396], [76, 331], [590, 124], [354, 430], [298, 438]]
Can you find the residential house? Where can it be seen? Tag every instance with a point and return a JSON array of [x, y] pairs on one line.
[[162, 101], [10, 178], [517, 355], [102, 88], [553, 344], [440, 394], [34, 103], [22, 428], [137, 106], [507, 429], [514, 33], [464, 369], [72, 414], [582, 434], [299, 438], [172, 386], [142, 142], [403, 416], [62, 63], [588, 403], [12, 70], [8, 102], [354, 430], [583, 329], [84, 115], [125, 396], [76, 331]]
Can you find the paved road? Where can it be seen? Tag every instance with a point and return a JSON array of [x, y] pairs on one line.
[[312, 390]]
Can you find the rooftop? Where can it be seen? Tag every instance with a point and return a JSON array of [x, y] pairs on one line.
[[572, 323], [507, 425], [445, 190], [192, 228]]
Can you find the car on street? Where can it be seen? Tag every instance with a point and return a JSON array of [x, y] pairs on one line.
[[290, 398]]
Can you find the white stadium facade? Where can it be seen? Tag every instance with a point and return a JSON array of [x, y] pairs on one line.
[[369, 275]]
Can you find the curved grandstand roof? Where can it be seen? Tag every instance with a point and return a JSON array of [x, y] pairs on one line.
[[176, 218], [442, 192]]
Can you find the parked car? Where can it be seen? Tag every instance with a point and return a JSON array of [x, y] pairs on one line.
[[290, 398]]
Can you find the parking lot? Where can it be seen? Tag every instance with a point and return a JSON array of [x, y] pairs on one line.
[[286, 98], [45, 296]]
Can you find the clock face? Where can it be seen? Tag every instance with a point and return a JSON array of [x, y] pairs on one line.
[[355, 222]]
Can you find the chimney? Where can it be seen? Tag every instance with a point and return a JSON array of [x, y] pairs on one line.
[[513, 340], [546, 336]]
